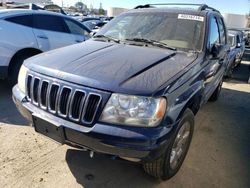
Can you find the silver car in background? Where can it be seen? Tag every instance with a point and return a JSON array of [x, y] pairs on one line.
[[25, 33]]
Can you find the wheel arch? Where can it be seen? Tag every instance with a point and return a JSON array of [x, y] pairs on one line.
[[23, 52], [193, 103]]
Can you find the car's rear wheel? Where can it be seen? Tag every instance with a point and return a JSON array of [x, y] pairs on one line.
[[170, 162], [214, 97], [14, 69], [229, 71]]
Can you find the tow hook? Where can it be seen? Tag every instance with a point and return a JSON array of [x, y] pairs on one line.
[[91, 154]]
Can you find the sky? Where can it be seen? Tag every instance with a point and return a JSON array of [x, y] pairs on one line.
[[224, 6]]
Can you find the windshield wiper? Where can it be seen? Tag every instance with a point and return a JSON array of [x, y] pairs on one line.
[[107, 37], [152, 42]]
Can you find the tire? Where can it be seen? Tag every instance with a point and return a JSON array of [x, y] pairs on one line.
[[229, 73], [214, 97], [14, 69], [162, 167]]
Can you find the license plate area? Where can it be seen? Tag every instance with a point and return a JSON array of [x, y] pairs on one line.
[[48, 129]]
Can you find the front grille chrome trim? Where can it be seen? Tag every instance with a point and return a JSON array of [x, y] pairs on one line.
[[49, 102], [32, 90], [66, 100], [85, 108], [81, 105], [28, 87], [46, 98]]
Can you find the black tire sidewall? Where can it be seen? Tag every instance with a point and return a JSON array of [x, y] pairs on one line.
[[214, 97], [167, 171], [14, 70]]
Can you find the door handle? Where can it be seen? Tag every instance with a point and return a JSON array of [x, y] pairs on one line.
[[42, 37]]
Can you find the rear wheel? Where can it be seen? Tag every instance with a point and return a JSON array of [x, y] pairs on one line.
[[170, 162], [229, 71], [214, 97], [14, 69]]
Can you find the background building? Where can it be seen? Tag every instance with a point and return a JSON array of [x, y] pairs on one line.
[[115, 11], [235, 20]]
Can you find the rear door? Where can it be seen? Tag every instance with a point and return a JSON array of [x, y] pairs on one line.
[[224, 48], [16, 33], [51, 32]]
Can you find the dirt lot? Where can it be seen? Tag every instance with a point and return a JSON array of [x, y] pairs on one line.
[[219, 155]]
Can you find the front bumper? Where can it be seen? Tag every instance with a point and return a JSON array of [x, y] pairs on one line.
[[145, 144]]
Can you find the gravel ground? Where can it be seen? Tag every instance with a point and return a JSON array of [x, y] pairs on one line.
[[219, 155]]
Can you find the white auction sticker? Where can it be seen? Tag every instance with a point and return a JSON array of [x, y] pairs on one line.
[[190, 17]]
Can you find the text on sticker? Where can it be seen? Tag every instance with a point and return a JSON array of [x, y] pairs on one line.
[[190, 17]]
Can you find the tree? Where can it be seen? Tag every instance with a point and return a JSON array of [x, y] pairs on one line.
[[248, 16], [101, 10], [79, 5], [248, 19]]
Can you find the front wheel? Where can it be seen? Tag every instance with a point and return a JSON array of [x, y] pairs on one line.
[[168, 164]]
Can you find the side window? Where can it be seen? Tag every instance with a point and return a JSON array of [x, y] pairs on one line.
[[25, 20], [74, 28], [214, 36], [222, 31], [48, 22]]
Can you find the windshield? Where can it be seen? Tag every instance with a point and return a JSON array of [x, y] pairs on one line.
[[169, 28]]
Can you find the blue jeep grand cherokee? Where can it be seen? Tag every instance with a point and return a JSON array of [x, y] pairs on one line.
[[133, 89]]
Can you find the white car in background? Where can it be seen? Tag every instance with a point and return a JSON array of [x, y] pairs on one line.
[[25, 33]]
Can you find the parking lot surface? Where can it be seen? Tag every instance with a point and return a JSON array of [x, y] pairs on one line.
[[219, 155]]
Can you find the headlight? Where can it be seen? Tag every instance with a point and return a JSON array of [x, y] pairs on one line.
[[21, 78], [134, 110]]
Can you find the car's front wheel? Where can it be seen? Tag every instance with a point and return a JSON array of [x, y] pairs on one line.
[[170, 162]]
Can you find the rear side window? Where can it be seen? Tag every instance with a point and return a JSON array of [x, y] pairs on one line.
[[222, 31], [25, 20], [75, 28], [48, 22]]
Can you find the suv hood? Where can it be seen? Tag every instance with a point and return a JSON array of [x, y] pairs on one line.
[[112, 67]]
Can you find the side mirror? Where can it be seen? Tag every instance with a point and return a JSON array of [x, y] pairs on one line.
[[238, 45], [215, 50], [92, 34]]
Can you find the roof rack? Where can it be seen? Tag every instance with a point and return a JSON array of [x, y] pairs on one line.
[[143, 6], [205, 7], [201, 7]]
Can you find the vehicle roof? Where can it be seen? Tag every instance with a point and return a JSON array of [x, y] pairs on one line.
[[7, 12], [172, 10]]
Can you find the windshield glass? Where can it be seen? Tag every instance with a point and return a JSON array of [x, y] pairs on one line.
[[169, 28]]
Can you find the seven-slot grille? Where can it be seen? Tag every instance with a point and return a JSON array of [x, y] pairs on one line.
[[68, 102]]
